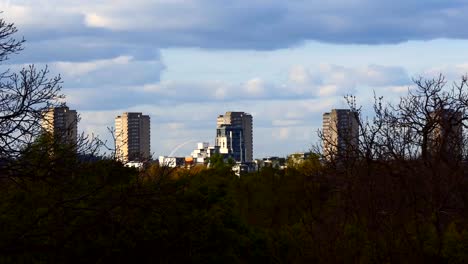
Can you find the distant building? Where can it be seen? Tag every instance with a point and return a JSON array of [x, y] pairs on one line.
[[258, 164], [137, 165], [204, 152], [62, 123], [241, 168], [189, 162], [132, 135], [340, 133], [274, 162], [445, 139], [234, 136], [298, 158], [171, 162]]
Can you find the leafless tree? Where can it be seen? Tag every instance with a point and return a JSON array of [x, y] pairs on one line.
[[119, 142], [24, 96], [408, 175]]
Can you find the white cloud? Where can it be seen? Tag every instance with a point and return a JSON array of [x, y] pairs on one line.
[[286, 122], [452, 72], [320, 105], [255, 87], [281, 133], [95, 20], [330, 80], [398, 89], [376, 75], [220, 93], [328, 90], [299, 75], [117, 79], [23, 14], [175, 126], [76, 69], [145, 15]]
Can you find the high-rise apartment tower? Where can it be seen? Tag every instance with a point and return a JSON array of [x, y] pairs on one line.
[[132, 136], [62, 124], [340, 133], [234, 136]]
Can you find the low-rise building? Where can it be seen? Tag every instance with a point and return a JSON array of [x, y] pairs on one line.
[[138, 165], [171, 162], [298, 158], [241, 168], [274, 162], [204, 152]]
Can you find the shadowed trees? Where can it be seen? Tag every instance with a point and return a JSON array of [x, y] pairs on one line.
[[405, 187]]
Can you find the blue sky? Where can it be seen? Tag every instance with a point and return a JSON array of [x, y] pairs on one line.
[[184, 62]]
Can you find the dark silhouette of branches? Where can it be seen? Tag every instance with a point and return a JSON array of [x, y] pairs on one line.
[[8, 44], [409, 167], [23, 97]]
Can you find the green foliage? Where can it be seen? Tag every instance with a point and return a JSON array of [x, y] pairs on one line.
[[217, 162], [456, 244]]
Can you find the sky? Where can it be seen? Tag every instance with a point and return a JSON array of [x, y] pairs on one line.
[[184, 62]]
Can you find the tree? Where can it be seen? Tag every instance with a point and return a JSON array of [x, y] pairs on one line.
[[407, 180], [217, 161], [23, 97]]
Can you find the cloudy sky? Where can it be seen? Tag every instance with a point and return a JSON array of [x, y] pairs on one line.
[[183, 62]]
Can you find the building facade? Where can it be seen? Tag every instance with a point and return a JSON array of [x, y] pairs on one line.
[[234, 136], [62, 124], [132, 137], [340, 133]]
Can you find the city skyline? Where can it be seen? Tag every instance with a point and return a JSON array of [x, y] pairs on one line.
[[234, 133], [284, 62]]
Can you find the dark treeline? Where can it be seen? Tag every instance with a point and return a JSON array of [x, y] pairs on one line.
[[58, 209], [397, 194]]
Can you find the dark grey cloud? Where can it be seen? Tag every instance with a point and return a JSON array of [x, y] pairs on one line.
[[139, 27], [81, 49], [108, 74]]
